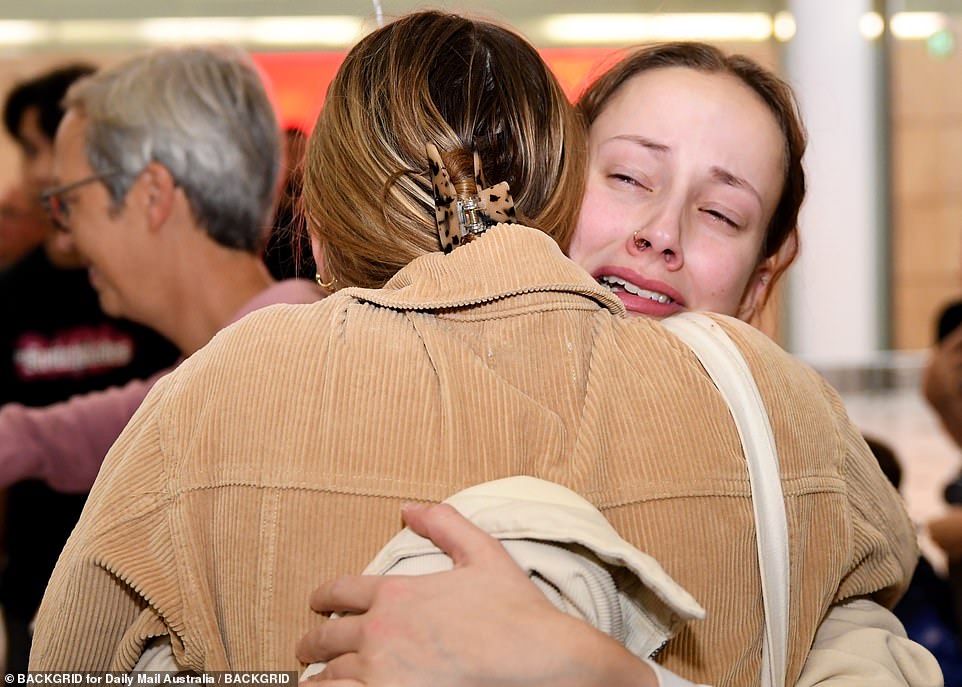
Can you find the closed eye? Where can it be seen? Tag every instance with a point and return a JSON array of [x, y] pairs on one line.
[[630, 181], [722, 218]]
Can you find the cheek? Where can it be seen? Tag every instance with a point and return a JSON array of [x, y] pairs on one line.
[[115, 282], [596, 229], [92, 249], [719, 277]]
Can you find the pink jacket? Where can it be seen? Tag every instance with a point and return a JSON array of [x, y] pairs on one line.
[[64, 444]]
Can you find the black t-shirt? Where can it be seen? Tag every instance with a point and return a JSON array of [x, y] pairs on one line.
[[56, 342]]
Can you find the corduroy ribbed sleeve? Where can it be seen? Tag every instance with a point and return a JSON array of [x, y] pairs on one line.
[[123, 536], [882, 547]]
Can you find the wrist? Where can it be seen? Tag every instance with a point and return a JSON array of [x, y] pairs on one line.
[[601, 661], [610, 664]]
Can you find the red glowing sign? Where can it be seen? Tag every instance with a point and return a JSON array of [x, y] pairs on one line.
[[298, 81]]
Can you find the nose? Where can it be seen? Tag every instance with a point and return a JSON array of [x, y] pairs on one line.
[[63, 241], [660, 235]]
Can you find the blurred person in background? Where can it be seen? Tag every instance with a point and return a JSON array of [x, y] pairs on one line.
[[22, 225], [927, 610], [55, 342], [288, 251], [169, 206], [942, 388], [942, 381]]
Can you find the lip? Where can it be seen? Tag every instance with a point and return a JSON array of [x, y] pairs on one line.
[[639, 305]]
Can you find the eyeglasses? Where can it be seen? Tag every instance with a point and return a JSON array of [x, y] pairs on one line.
[[56, 204]]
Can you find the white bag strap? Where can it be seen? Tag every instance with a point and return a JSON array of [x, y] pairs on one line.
[[727, 367]]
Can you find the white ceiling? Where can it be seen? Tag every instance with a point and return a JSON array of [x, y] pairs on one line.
[[508, 9], [114, 23]]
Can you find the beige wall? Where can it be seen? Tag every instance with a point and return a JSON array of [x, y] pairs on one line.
[[926, 189]]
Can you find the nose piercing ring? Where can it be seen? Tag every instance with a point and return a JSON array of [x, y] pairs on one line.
[[640, 243]]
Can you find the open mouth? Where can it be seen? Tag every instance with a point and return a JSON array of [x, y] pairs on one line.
[[616, 284]]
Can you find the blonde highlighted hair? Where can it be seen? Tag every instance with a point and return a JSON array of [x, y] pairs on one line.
[[463, 85]]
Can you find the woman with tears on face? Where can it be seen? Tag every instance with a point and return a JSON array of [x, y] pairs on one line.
[[693, 191]]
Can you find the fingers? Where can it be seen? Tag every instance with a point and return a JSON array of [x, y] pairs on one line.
[[343, 671], [346, 594], [330, 639], [454, 534]]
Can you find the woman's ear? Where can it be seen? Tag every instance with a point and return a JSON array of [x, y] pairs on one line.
[[756, 293]]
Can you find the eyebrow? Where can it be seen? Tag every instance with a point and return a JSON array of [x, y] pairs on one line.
[[654, 146], [726, 177]]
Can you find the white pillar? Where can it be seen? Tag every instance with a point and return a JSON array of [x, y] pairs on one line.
[[835, 308]]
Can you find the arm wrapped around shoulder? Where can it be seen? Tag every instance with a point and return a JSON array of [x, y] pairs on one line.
[[861, 643]]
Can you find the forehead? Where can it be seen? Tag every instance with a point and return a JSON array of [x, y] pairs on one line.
[[69, 147], [685, 97], [712, 119]]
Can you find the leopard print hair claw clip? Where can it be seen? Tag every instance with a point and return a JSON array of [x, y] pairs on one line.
[[461, 218]]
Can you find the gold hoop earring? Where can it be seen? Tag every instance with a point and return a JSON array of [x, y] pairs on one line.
[[327, 286]]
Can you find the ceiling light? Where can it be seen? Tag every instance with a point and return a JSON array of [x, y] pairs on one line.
[[326, 31], [871, 25], [329, 31], [13, 32], [917, 25], [91, 32], [192, 30], [783, 26], [638, 28]]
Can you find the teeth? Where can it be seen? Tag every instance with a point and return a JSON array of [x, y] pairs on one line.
[[617, 284]]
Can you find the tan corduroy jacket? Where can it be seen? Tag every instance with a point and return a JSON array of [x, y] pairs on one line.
[[278, 457]]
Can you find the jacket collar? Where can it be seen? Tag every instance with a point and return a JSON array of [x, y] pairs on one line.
[[507, 260]]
